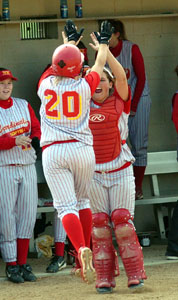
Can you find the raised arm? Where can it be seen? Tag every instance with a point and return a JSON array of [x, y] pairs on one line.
[[118, 71], [105, 35]]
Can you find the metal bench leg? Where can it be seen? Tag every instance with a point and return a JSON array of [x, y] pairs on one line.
[[31, 245], [159, 216]]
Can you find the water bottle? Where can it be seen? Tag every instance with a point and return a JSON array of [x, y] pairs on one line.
[[78, 9], [5, 10], [64, 9]]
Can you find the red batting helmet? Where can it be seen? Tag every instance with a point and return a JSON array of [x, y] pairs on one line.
[[67, 60]]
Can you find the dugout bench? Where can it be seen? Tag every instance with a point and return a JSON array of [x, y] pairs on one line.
[[158, 163]]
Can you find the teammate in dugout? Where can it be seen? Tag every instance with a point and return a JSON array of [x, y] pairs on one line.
[[172, 246], [129, 55], [112, 192], [19, 138], [68, 158]]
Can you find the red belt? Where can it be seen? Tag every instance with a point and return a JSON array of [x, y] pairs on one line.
[[59, 142], [16, 165], [127, 164]]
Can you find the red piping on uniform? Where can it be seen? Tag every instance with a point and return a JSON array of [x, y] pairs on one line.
[[127, 164], [59, 142]]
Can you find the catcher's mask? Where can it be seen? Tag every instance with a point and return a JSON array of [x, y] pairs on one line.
[[67, 61]]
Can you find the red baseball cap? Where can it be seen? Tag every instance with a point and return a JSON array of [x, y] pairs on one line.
[[6, 74]]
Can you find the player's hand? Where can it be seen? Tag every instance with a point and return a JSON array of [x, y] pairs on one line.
[[94, 36], [64, 37], [22, 140], [132, 113], [71, 31], [105, 32]]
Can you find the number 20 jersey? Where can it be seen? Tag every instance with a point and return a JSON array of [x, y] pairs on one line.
[[65, 106]]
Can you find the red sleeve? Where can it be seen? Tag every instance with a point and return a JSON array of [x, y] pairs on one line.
[[6, 143], [47, 73], [127, 103], [139, 69], [93, 80], [35, 124], [175, 111]]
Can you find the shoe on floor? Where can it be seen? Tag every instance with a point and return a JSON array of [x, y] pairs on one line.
[[85, 259], [134, 284], [171, 256], [76, 270], [57, 263], [104, 290], [13, 274], [26, 273], [139, 195]]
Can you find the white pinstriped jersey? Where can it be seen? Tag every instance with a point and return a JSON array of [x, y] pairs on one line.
[[125, 58], [16, 121], [125, 154], [65, 110]]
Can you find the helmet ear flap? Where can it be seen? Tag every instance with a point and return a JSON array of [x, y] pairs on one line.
[[67, 60]]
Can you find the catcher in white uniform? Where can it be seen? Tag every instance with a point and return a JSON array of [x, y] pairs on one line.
[[68, 157], [112, 192]]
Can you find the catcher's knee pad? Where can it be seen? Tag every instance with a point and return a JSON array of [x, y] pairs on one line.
[[121, 215], [101, 229], [129, 246], [103, 251]]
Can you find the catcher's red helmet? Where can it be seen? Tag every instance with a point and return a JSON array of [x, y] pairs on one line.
[[67, 60]]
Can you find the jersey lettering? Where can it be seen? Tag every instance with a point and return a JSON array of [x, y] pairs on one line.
[[71, 105]]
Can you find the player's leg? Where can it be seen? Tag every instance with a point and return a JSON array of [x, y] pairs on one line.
[[122, 205], [138, 136], [58, 262], [57, 162], [83, 169], [104, 254], [26, 216], [9, 178]]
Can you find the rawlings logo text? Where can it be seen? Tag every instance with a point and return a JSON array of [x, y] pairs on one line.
[[97, 118]]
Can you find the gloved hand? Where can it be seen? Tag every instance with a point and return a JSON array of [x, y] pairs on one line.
[[71, 31], [105, 32]]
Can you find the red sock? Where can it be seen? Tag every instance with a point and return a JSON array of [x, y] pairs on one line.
[[59, 248], [86, 221], [73, 228], [22, 251], [139, 172], [11, 263]]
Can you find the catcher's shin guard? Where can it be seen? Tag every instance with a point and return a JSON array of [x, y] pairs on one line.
[[129, 247], [103, 252]]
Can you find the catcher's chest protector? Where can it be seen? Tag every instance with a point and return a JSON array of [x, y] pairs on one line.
[[103, 123]]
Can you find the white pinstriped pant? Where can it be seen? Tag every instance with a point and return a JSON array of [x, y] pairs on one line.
[[138, 131], [68, 169], [59, 231], [113, 191], [18, 207]]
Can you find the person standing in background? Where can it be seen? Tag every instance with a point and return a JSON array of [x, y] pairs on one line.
[[172, 247], [19, 138], [130, 57]]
